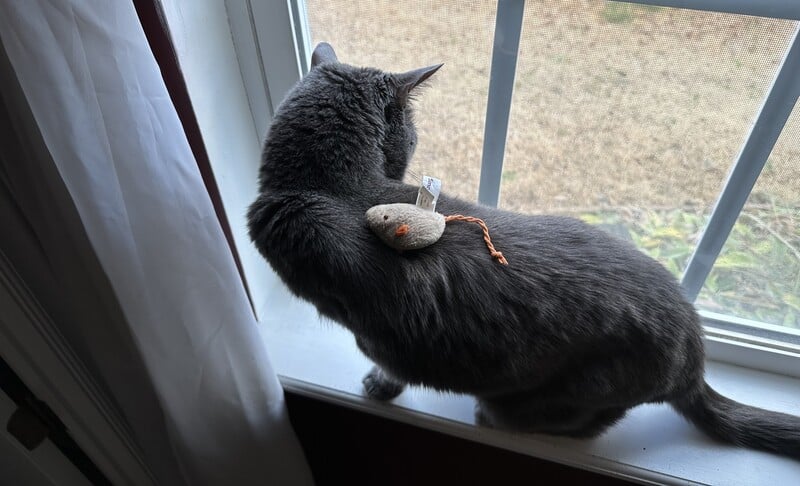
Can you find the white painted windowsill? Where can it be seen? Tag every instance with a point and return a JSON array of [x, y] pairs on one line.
[[652, 445]]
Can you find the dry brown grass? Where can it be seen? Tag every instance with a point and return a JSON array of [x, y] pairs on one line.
[[613, 104], [622, 114]]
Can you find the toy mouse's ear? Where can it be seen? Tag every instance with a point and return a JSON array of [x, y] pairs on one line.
[[323, 53], [409, 80]]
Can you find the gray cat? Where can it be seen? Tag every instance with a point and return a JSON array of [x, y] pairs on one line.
[[576, 330]]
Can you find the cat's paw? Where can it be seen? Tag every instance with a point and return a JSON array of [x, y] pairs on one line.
[[379, 386]]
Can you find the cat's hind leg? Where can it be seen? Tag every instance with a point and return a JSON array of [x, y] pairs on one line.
[[602, 420], [522, 413], [379, 385]]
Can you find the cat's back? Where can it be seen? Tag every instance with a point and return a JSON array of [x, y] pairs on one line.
[[558, 246], [564, 268]]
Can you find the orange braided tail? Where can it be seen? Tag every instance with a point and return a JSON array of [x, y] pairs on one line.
[[469, 219]]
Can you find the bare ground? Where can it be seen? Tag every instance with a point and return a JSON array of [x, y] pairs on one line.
[[614, 105], [622, 114]]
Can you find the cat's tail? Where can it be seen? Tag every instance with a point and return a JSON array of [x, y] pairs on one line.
[[743, 425]]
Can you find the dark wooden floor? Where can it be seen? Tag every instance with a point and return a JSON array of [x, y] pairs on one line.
[[344, 446]]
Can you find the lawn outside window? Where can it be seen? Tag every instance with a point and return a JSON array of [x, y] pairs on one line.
[[667, 122]]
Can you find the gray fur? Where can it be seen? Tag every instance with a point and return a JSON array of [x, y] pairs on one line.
[[579, 328]]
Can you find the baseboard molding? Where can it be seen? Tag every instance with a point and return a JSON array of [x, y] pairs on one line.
[[33, 347]]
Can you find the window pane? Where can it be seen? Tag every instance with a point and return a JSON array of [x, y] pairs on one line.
[[631, 116], [402, 35], [757, 274], [627, 116]]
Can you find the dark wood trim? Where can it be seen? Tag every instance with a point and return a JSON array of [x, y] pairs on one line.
[[344, 446]]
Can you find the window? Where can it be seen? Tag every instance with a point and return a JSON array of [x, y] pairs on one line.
[[450, 114], [757, 275], [633, 116]]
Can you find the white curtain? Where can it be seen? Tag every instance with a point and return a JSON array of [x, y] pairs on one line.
[[196, 385]]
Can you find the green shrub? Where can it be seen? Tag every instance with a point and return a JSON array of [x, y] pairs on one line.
[[617, 13], [757, 274]]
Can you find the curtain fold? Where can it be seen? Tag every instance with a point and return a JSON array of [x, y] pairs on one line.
[[115, 148]]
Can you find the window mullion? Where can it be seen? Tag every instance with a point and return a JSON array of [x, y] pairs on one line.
[[777, 107], [302, 34], [778, 9], [508, 28]]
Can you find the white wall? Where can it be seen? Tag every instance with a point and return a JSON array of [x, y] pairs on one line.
[[204, 44]]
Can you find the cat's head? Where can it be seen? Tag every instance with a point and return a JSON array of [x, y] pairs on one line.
[[341, 123]]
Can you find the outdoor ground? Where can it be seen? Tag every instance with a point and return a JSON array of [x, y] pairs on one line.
[[621, 114]]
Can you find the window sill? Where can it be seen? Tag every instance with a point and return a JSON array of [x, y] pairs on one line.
[[653, 444]]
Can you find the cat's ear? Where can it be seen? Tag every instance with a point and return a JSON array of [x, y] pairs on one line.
[[409, 80], [323, 53]]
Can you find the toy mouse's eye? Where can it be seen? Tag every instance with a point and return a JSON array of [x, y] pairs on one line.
[[385, 217]]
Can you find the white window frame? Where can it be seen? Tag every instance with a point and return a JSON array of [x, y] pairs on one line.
[[277, 35]]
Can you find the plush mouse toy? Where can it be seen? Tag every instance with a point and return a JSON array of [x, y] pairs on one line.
[[405, 226]]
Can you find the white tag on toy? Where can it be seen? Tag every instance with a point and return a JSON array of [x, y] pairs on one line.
[[429, 193]]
